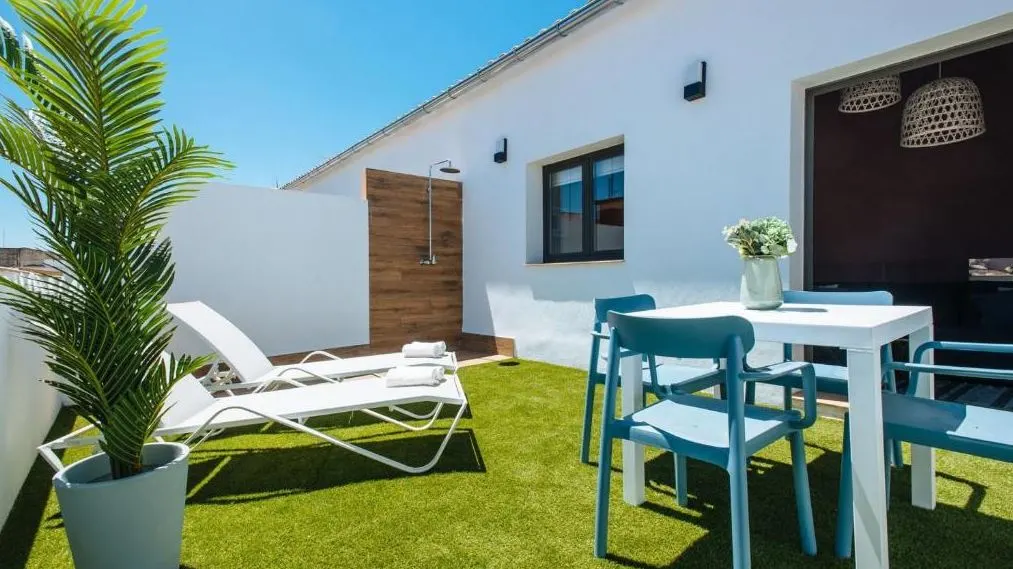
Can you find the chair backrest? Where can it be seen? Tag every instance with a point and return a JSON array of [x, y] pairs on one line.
[[633, 303], [729, 337], [186, 398], [602, 306], [238, 350], [867, 298], [697, 338]]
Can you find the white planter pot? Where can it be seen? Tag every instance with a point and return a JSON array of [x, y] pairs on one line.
[[134, 522], [761, 284]]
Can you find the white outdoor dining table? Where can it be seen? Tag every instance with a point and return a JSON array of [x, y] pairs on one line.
[[861, 331]]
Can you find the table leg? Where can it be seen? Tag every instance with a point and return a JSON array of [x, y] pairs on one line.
[[867, 459], [923, 459], [633, 454]]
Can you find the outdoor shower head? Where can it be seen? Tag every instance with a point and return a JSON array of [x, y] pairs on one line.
[[448, 167]]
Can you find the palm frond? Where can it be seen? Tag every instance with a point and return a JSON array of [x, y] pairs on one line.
[[98, 177]]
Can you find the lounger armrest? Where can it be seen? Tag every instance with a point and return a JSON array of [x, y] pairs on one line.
[[219, 387], [295, 368], [71, 440], [774, 371], [256, 387], [318, 353]]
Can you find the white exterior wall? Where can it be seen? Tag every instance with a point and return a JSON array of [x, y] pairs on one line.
[[27, 406], [289, 269], [691, 168]]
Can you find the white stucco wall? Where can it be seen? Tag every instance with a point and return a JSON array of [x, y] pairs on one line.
[[691, 168], [289, 269], [27, 406]]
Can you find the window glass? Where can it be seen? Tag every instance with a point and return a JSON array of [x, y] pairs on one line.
[[608, 204], [566, 211]]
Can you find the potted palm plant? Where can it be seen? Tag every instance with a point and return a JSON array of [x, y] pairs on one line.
[[98, 175], [760, 243]]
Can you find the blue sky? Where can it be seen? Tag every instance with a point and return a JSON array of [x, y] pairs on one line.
[[280, 90]]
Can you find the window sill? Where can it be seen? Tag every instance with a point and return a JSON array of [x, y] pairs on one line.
[[571, 263]]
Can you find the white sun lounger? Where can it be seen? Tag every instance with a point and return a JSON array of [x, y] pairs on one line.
[[254, 370], [193, 411]]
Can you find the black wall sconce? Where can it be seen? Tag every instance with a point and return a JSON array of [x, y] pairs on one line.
[[698, 89], [501, 151]]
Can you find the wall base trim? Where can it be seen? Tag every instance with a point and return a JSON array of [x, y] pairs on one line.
[[482, 343]]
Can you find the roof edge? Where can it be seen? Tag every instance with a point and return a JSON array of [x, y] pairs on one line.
[[560, 29]]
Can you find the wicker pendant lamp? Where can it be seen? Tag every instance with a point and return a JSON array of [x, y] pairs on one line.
[[944, 111], [871, 95]]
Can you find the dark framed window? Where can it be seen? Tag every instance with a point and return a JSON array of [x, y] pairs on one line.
[[583, 207]]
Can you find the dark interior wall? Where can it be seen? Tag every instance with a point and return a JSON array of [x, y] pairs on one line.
[[886, 214]]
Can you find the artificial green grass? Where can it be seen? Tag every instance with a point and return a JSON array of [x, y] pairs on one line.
[[510, 492]]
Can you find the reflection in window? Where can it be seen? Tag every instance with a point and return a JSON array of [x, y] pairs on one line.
[[608, 204], [566, 211]]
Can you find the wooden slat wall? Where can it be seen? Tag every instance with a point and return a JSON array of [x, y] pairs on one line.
[[409, 301]]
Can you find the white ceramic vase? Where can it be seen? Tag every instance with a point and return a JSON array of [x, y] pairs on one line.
[[761, 284]]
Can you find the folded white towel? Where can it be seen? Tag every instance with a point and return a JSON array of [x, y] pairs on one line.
[[408, 376], [424, 350]]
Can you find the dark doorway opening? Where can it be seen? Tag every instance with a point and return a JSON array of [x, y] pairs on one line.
[[933, 226]]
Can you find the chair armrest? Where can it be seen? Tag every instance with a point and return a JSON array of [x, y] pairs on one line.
[[775, 371], [772, 371], [981, 373], [916, 366], [962, 347], [622, 353]]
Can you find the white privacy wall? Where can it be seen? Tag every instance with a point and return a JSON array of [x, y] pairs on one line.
[[691, 168], [27, 407], [289, 269]]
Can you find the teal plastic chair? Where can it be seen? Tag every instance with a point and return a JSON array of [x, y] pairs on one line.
[[660, 379], [721, 432], [833, 378], [967, 429]]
